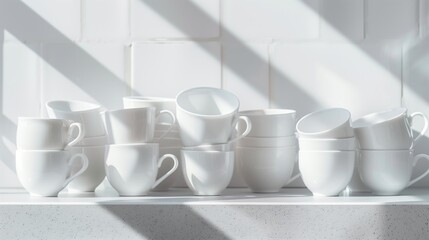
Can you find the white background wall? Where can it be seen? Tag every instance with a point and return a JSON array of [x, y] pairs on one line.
[[364, 55]]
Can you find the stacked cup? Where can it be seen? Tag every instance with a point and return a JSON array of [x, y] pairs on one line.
[[267, 155], [93, 145], [43, 165], [386, 156], [207, 118], [169, 140], [327, 151], [132, 160]]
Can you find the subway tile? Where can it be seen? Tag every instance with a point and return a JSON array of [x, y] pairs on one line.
[[270, 19], [20, 80], [105, 20], [43, 20], [341, 20], [174, 19], [87, 72], [392, 19], [164, 69], [416, 97], [245, 73], [424, 18], [363, 78]]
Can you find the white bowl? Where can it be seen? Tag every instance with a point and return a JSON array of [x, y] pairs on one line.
[[289, 141], [270, 122], [266, 169], [316, 144], [326, 173], [327, 123]]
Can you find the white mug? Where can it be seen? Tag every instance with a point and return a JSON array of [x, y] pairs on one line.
[[134, 125], [326, 173], [132, 168], [270, 123], [175, 178], [388, 130], [88, 114], [158, 102], [326, 123], [272, 142], [208, 116], [94, 174], [388, 172], [46, 173], [47, 134], [226, 147], [267, 169], [207, 172], [325, 144]]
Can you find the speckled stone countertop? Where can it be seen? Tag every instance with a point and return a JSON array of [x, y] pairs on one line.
[[239, 214]]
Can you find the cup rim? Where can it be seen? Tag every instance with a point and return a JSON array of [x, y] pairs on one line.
[[267, 112], [208, 152], [269, 138], [272, 148], [44, 151], [44, 119], [91, 106], [129, 109], [150, 99], [328, 151], [318, 112], [384, 150], [132, 144], [86, 146], [358, 125], [327, 139], [234, 111]]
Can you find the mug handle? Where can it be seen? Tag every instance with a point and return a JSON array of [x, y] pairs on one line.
[[174, 168], [173, 118], [84, 160], [79, 137], [246, 132], [415, 160], [425, 127], [298, 175]]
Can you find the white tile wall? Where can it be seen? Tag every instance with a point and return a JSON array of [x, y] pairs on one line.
[[392, 19], [302, 54], [309, 76], [246, 74], [164, 69], [342, 20], [43, 20], [174, 19], [105, 20], [270, 19]]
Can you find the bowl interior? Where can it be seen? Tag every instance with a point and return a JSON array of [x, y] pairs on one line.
[[72, 106], [376, 118], [322, 121], [208, 101]]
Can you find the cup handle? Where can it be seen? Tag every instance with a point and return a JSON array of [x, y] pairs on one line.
[[246, 132], [174, 168], [425, 127], [298, 175], [79, 137], [173, 118], [84, 160], [415, 160]]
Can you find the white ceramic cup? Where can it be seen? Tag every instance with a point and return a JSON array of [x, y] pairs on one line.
[[134, 125], [318, 144], [132, 169], [157, 102], [226, 147], [270, 123], [46, 173], [208, 116], [327, 123], [47, 134], [207, 172], [263, 142], [388, 172], [267, 170], [164, 133], [326, 173], [88, 114], [94, 141], [94, 174], [388, 130]]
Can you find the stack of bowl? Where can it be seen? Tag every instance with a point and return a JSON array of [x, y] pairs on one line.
[[267, 155], [207, 118], [169, 142], [327, 151], [386, 150], [92, 145]]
